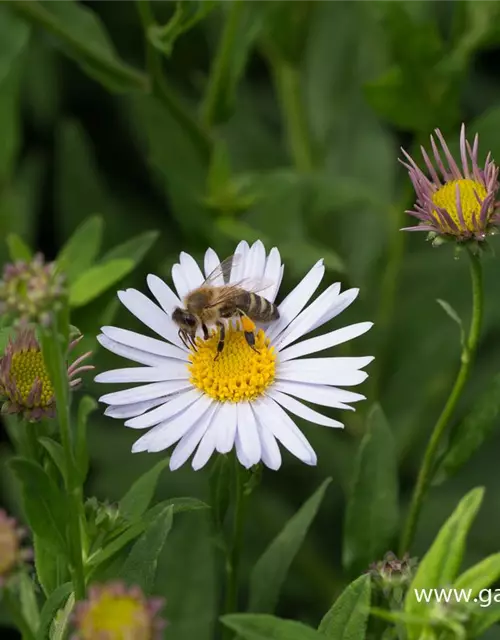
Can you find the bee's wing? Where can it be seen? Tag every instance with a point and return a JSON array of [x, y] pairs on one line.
[[221, 274], [227, 292]]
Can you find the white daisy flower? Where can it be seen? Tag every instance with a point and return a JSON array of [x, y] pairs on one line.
[[244, 398]]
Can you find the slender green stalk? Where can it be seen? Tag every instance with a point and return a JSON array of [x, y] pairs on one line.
[[428, 464], [287, 80], [234, 554], [221, 64]]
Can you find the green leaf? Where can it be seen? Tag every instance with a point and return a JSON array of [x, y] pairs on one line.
[[372, 510], [180, 505], [29, 604], [220, 490], [252, 626], [56, 453], [187, 14], [18, 249], [131, 533], [83, 38], [10, 132], [472, 431], [140, 566], [14, 36], [85, 408], [348, 617], [81, 250], [44, 503], [5, 334], [270, 571], [450, 312], [441, 563], [484, 618], [134, 249], [287, 27], [138, 498], [51, 607], [481, 575], [51, 569], [97, 280]]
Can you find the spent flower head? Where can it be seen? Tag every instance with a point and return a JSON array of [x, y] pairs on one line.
[[454, 202], [393, 575], [12, 553], [24, 380], [29, 291], [114, 611]]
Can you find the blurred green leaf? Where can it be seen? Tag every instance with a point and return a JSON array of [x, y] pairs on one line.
[[18, 249], [44, 504], [10, 123], [14, 36], [348, 617], [51, 607], [485, 618], [372, 511], [56, 452], [472, 431], [5, 334], [287, 28], [28, 600], [98, 279], [270, 571], [451, 313], [186, 15], [140, 566], [220, 489], [134, 249], [82, 37], [441, 563], [81, 250], [254, 626], [480, 576], [138, 498], [85, 408], [51, 568]]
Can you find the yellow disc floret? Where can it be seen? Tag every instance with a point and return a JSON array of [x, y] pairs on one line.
[[238, 373], [446, 198], [116, 617], [27, 367]]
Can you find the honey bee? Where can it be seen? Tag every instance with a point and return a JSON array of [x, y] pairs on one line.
[[214, 302]]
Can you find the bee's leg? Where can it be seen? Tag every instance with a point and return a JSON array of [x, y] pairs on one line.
[[248, 330], [206, 335], [222, 337], [182, 335]]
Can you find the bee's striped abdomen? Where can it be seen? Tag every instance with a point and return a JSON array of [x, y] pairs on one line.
[[260, 309]]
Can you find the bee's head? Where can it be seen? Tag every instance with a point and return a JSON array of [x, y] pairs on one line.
[[185, 320]]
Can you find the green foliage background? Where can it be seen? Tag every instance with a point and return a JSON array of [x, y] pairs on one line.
[[280, 121]]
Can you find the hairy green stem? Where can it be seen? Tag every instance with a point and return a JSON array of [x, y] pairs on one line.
[[287, 80], [468, 350], [221, 64]]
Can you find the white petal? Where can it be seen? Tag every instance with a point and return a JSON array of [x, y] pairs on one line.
[[190, 441], [226, 427], [180, 281], [326, 341], [192, 272], [207, 443], [247, 436], [136, 355], [211, 263], [319, 394], [284, 429], [341, 371], [344, 300], [255, 262], [171, 407], [271, 455], [151, 315], [238, 268], [133, 409], [146, 392], [273, 273], [297, 299], [175, 370], [302, 410], [163, 293], [305, 320], [166, 433], [145, 343]]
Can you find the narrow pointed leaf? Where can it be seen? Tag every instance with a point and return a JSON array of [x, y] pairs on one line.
[[81, 250], [372, 511], [348, 617], [85, 408], [138, 498], [97, 280], [51, 607], [255, 626], [271, 569], [134, 249], [480, 576], [18, 249]]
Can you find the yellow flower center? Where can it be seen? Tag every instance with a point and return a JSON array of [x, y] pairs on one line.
[[238, 373], [28, 366], [446, 198], [9, 547], [116, 618]]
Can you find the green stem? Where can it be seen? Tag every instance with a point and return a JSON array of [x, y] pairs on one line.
[[234, 554], [287, 80], [221, 63], [468, 352]]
